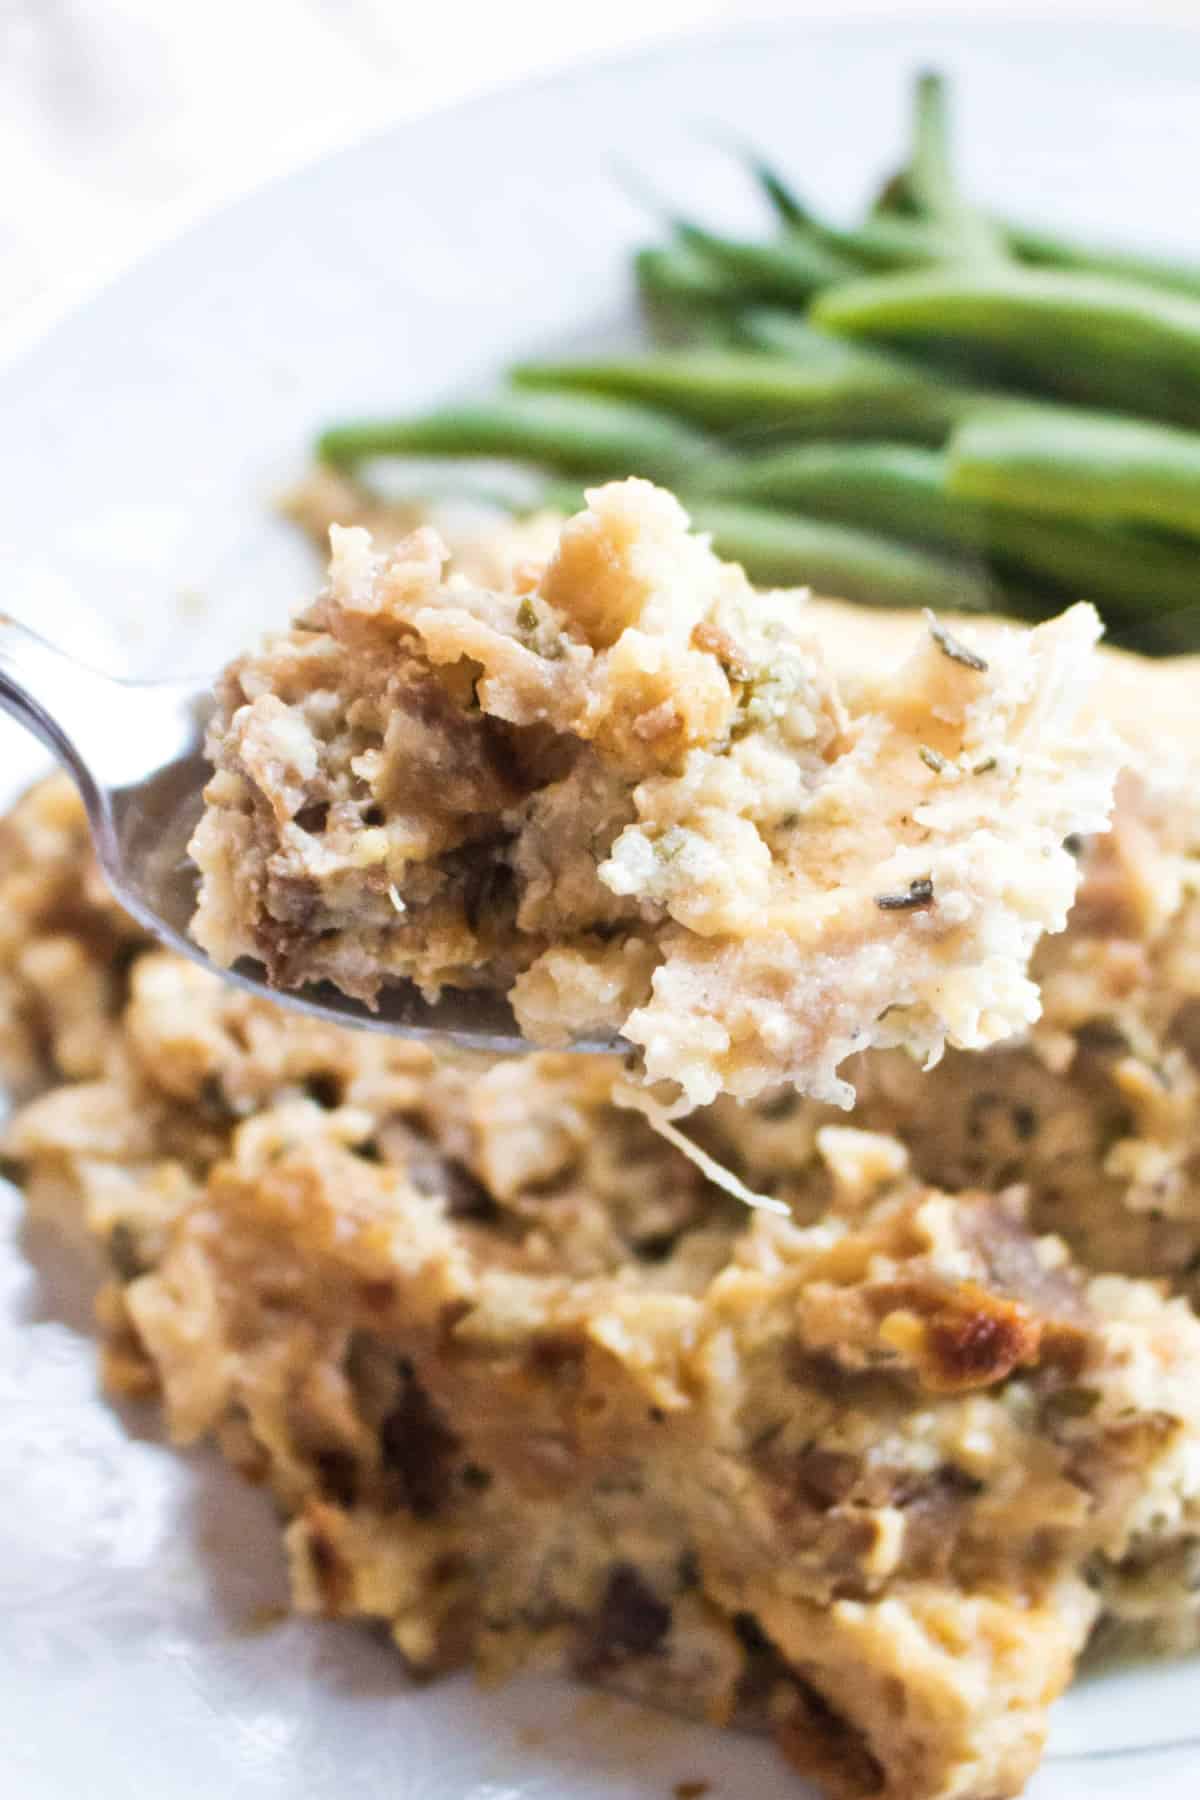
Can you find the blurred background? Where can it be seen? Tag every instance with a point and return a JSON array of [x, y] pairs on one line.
[[120, 119]]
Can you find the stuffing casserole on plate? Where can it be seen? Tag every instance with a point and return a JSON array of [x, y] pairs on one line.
[[529, 1388]]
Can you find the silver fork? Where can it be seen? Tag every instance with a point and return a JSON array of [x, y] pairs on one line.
[[135, 752]]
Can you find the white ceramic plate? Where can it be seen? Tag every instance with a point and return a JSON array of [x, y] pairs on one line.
[[143, 440]]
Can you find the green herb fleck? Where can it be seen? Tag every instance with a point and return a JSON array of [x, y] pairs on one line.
[[671, 844], [1071, 1403], [950, 646], [919, 896], [933, 759], [766, 699], [527, 615]]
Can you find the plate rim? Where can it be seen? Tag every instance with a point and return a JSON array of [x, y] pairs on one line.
[[34, 323], [33, 326]]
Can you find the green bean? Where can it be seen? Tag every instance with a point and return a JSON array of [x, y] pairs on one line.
[[565, 431], [897, 196], [886, 243], [792, 267], [787, 334], [1035, 244], [785, 203], [947, 397], [931, 176], [894, 198], [790, 334], [674, 273], [685, 299], [879, 242], [1175, 633], [904, 198], [895, 487], [780, 195], [1079, 464], [786, 550], [760, 394], [902, 489], [929, 173], [1105, 341]]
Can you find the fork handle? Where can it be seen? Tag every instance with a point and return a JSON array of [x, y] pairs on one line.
[[108, 733], [61, 702]]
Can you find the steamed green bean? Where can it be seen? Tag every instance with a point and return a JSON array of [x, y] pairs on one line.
[[1080, 464], [790, 334], [931, 177], [674, 273], [904, 490], [787, 334], [782, 197], [792, 267], [1049, 249], [784, 549], [880, 241], [584, 432], [899, 487], [758, 394], [890, 243], [1105, 341], [904, 200]]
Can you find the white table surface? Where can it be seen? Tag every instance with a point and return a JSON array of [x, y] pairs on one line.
[[119, 119]]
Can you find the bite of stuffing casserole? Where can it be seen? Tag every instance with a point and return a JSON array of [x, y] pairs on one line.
[[645, 799]]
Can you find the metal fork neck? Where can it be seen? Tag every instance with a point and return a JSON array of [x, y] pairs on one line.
[[63, 704], [109, 733]]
